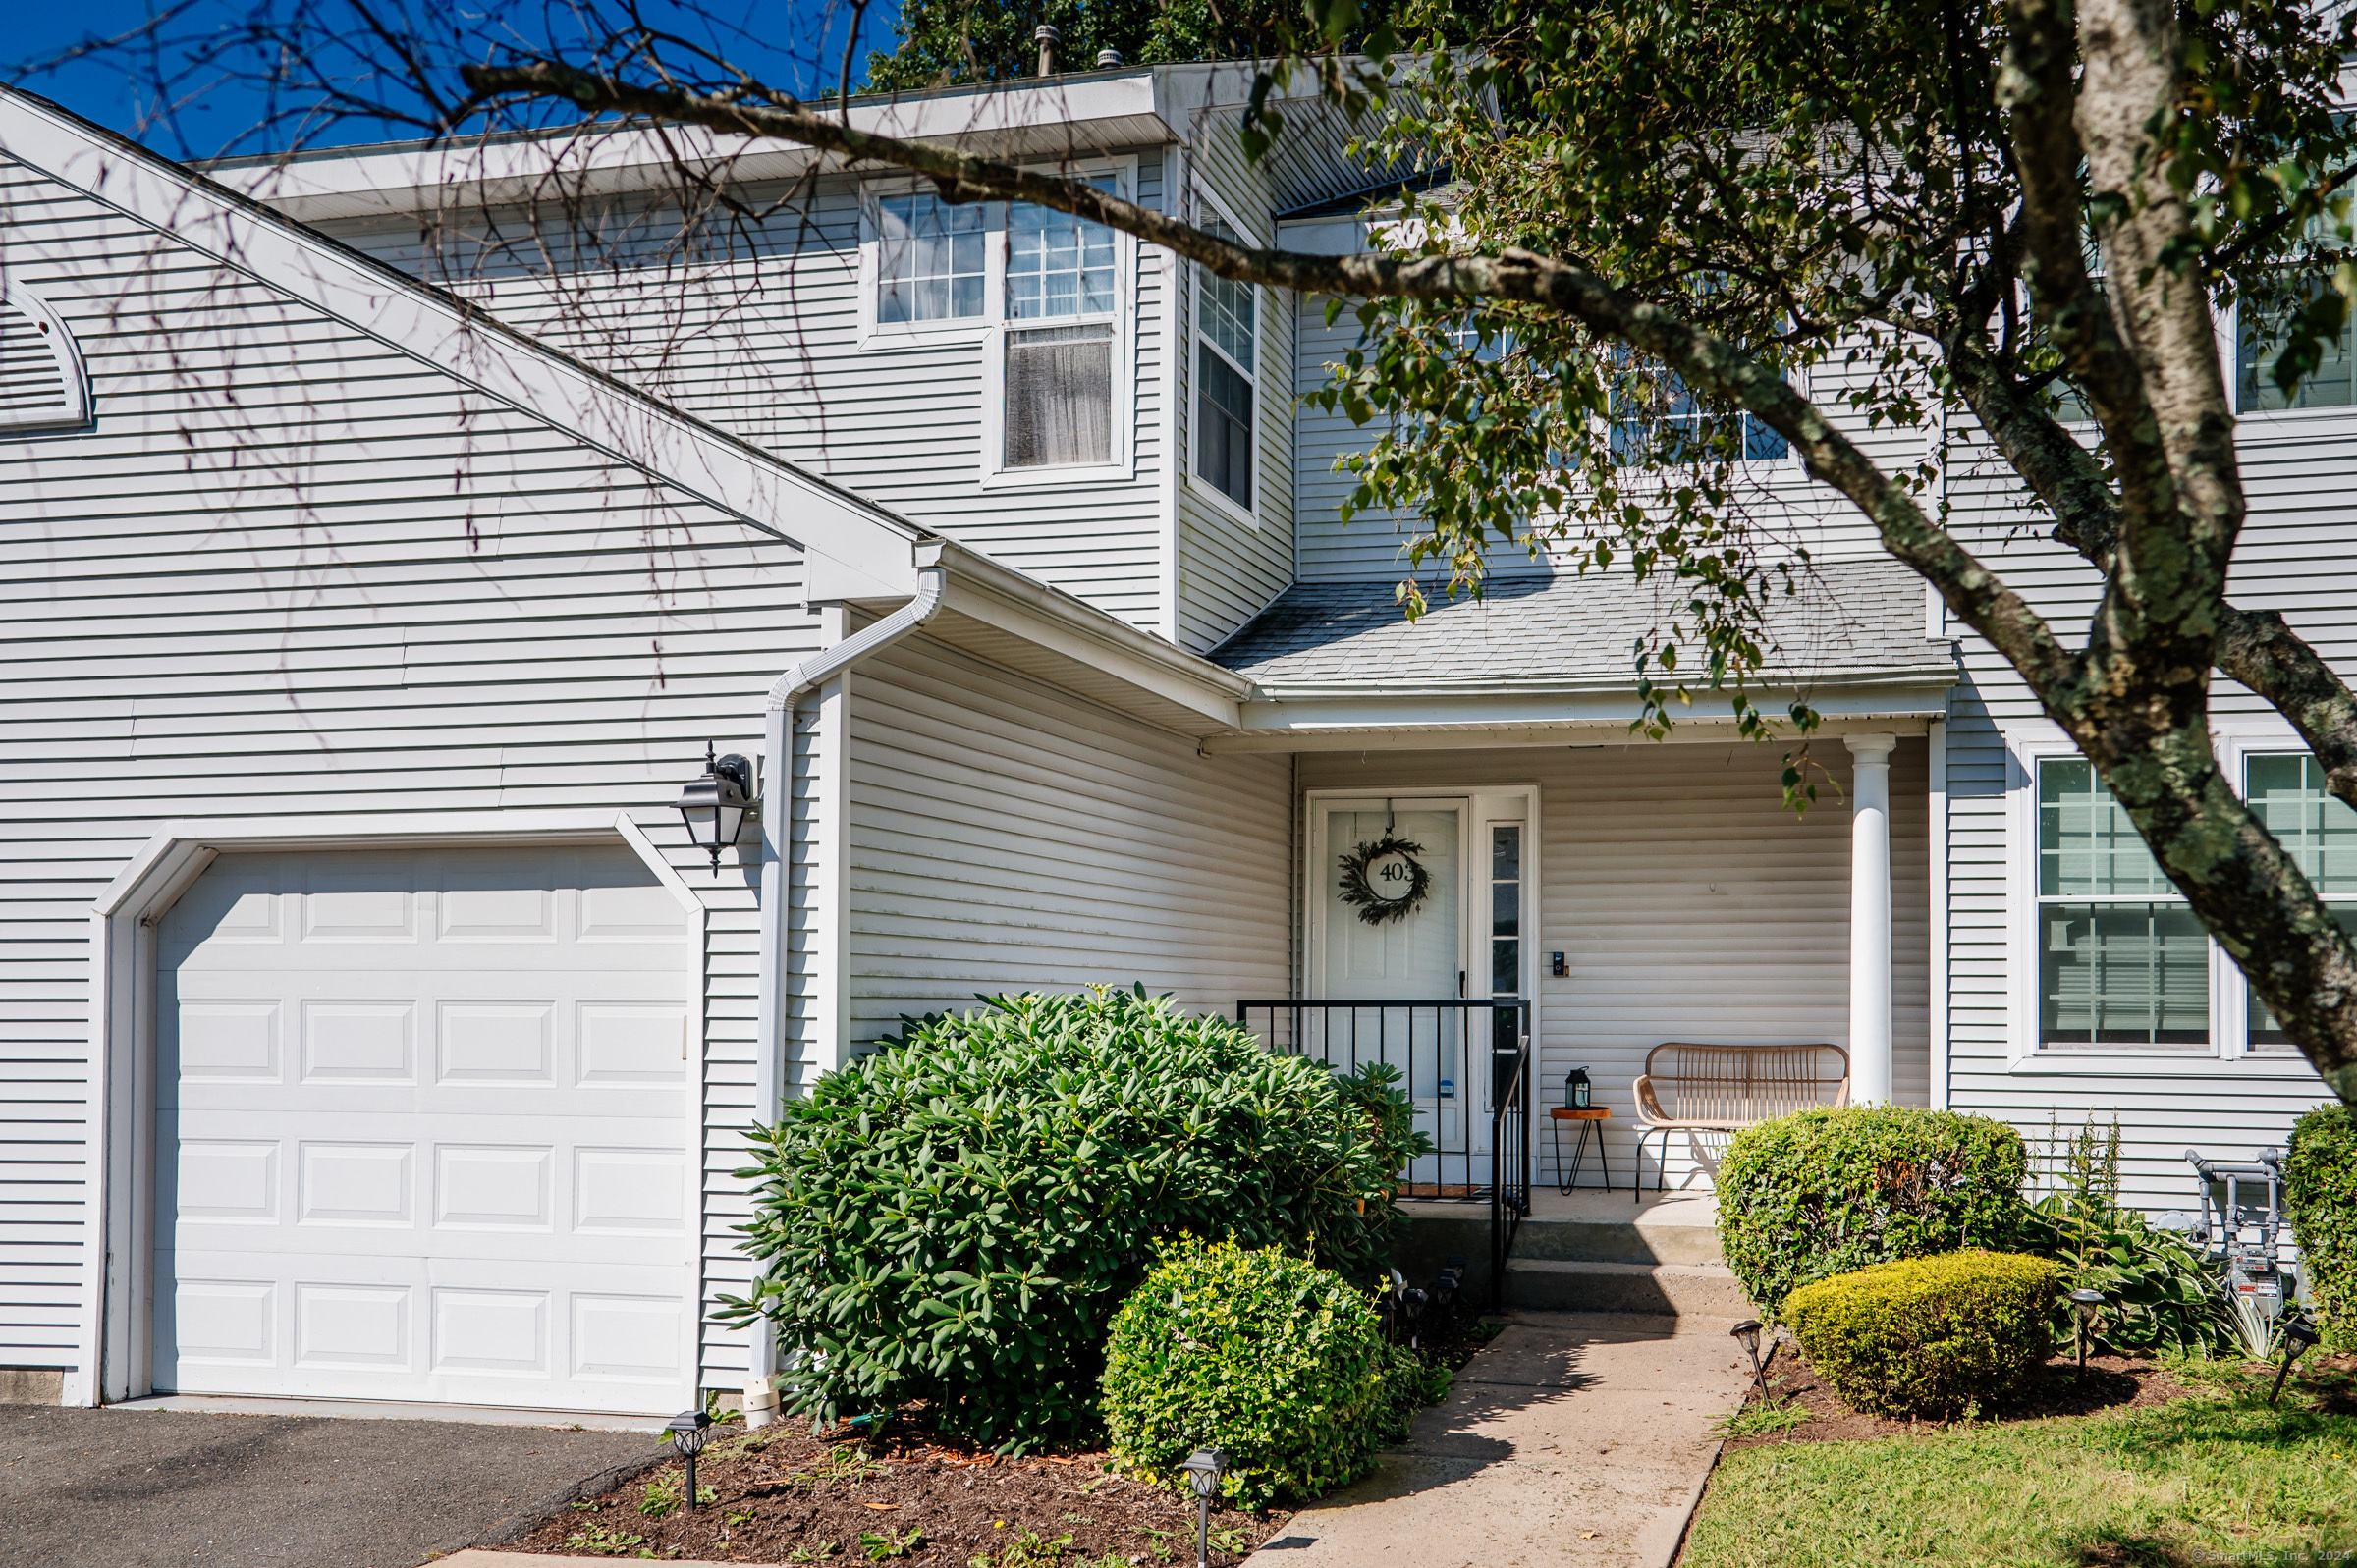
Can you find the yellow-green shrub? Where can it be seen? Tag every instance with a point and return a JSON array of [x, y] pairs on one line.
[[1926, 1336], [1278, 1362]]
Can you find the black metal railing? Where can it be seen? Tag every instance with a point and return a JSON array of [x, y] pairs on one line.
[[1479, 1127]]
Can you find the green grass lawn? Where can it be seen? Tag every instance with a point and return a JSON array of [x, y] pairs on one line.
[[2210, 1479]]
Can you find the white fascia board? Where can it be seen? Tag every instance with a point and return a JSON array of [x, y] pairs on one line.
[[1349, 724], [1089, 113], [856, 541], [1049, 619]]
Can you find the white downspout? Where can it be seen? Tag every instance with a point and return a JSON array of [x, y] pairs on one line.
[[776, 841]]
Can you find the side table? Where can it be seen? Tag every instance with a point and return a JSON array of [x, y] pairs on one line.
[[1591, 1117]]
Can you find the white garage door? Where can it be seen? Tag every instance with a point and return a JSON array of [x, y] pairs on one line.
[[422, 1122]]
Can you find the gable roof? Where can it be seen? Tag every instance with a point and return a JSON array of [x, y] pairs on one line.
[[853, 548], [1850, 623]]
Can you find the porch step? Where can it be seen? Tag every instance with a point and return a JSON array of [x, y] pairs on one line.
[[1659, 1289], [1587, 1251]]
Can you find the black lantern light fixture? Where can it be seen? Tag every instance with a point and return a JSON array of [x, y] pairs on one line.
[[689, 1429], [2298, 1336], [1203, 1470], [1747, 1334], [2084, 1305], [713, 806]]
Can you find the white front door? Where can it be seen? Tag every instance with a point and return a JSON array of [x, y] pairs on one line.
[[422, 1130], [1391, 928]]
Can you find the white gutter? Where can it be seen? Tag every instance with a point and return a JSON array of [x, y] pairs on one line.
[[777, 844]]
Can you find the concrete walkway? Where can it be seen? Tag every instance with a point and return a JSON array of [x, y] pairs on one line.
[[1579, 1439]]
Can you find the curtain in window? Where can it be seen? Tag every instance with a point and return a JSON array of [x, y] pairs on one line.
[[1059, 396]]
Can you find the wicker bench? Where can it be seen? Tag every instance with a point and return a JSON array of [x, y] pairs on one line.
[[1727, 1087]]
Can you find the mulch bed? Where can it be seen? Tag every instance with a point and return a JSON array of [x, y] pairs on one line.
[[783, 1495], [2327, 1383], [847, 1497], [2109, 1383]]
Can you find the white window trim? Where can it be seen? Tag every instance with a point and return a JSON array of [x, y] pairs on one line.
[[1210, 494], [874, 334], [996, 475], [2236, 750], [2227, 1055]]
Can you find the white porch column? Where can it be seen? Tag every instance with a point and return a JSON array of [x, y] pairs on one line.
[[1870, 919]]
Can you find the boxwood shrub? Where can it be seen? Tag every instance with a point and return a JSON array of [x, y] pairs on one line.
[[1828, 1191], [955, 1218], [1926, 1336], [2319, 1194], [1278, 1362]]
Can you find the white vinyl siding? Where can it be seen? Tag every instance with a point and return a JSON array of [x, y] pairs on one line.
[[2297, 554], [760, 334], [1689, 905], [1234, 560], [364, 591], [1008, 837]]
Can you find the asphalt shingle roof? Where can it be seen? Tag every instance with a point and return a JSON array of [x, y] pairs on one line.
[[1846, 621]]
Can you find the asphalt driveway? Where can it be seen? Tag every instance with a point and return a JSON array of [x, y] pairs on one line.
[[158, 1488]]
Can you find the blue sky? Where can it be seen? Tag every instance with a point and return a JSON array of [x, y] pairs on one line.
[[796, 45]]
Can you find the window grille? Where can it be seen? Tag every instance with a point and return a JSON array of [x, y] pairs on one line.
[[929, 260], [2121, 960]]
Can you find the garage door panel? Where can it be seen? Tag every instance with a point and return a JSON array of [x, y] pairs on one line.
[[426, 1116]]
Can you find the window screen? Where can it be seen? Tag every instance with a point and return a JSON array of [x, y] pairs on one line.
[[1059, 394], [929, 262], [2121, 960]]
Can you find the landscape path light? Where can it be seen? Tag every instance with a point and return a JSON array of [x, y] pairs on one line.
[[689, 1429], [1747, 1334], [1203, 1470], [2084, 1305], [2298, 1336]]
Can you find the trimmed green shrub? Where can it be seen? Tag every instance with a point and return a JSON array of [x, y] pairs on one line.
[[1828, 1191], [1277, 1362], [955, 1218], [1927, 1337], [2319, 1193]]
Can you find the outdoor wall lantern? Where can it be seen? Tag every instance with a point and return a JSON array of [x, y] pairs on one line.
[[689, 1429], [1203, 1470], [2298, 1336], [1747, 1334], [2084, 1305], [713, 806]]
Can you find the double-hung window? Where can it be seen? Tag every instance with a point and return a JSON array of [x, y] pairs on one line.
[[2122, 963], [2263, 329], [1664, 419], [1226, 327], [2289, 795], [1063, 295], [1041, 295]]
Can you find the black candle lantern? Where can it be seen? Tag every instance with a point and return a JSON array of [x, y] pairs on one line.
[[1575, 1089]]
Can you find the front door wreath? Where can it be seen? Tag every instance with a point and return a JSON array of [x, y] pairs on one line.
[[1384, 879]]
